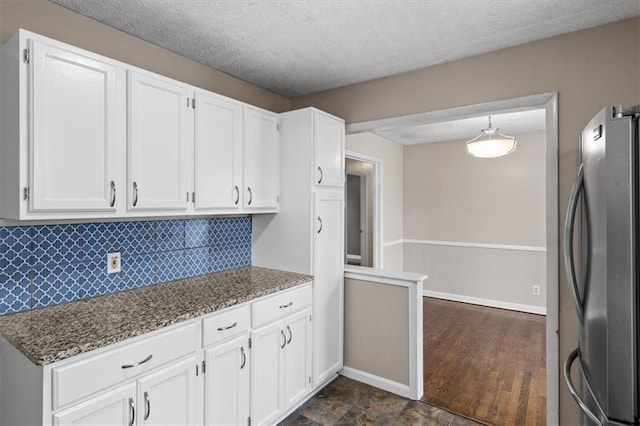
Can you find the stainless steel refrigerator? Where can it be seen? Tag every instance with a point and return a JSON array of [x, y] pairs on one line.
[[602, 266]]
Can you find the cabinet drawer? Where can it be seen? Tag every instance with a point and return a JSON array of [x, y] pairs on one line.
[[226, 324], [89, 375], [280, 305]]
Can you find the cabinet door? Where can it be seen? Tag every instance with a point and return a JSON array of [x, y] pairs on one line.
[[226, 383], [267, 364], [218, 153], [297, 357], [116, 407], [261, 153], [76, 143], [167, 397], [328, 272], [328, 150], [157, 143]]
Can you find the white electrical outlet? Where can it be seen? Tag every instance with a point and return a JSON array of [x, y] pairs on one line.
[[113, 262], [536, 290]]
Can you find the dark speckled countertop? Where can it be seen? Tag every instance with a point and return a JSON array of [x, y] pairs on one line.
[[54, 333]]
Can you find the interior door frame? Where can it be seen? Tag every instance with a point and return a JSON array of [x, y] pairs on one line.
[[549, 102], [377, 204], [364, 222]]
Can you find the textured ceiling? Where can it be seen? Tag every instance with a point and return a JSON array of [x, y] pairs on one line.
[[298, 47], [512, 124]]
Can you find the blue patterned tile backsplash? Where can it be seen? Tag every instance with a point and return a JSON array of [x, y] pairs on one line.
[[50, 264]]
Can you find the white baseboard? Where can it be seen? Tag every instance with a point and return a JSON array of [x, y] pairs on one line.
[[377, 381], [539, 310]]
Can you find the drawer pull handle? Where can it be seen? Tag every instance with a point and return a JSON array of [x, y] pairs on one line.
[[227, 327], [244, 358], [284, 339], [132, 412], [135, 364], [147, 405], [286, 306], [290, 335]]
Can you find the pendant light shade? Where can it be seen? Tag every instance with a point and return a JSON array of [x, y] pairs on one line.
[[490, 143]]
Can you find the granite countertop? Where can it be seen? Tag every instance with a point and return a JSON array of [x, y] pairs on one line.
[[54, 333]]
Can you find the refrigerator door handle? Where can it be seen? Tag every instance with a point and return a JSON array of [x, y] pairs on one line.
[[569, 223], [572, 389]]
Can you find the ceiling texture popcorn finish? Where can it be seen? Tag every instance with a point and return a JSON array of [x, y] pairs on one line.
[[300, 47]]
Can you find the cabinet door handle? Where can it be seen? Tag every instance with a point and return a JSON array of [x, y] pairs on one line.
[[244, 358], [132, 412], [113, 194], [135, 364], [321, 174], [147, 405], [320, 222], [237, 195], [135, 193], [250, 195], [290, 335], [284, 339], [228, 327]]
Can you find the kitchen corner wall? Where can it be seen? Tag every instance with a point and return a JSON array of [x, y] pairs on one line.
[[51, 264]]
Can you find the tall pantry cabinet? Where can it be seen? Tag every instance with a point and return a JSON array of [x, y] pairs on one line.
[[307, 235]]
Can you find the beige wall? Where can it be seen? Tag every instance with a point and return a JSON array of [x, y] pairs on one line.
[[390, 154], [376, 322], [451, 196], [51, 20], [589, 69]]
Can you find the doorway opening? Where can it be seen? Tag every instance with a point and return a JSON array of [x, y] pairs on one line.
[[362, 210], [546, 251]]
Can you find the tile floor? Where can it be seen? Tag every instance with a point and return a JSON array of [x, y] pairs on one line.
[[347, 402]]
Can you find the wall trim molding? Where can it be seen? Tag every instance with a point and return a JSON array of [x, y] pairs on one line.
[[377, 381], [539, 310], [393, 243], [474, 245]]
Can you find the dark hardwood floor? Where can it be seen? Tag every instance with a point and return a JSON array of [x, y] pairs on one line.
[[485, 363]]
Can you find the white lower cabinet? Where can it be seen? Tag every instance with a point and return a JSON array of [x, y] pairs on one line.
[[166, 397], [226, 382], [116, 407], [246, 365], [281, 367]]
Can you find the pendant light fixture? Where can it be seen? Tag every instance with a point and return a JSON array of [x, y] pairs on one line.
[[490, 143]]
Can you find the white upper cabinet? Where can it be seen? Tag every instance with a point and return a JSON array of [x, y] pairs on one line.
[[62, 140], [261, 152], [328, 150], [83, 136], [217, 153], [157, 142], [74, 131]]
